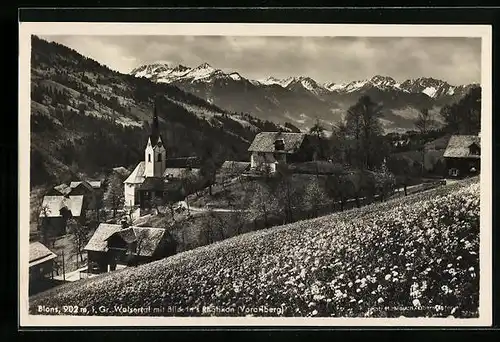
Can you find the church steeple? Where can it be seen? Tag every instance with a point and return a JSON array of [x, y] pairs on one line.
[[155, 126], [155, 154]]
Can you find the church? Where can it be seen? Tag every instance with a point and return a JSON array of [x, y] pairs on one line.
[[158, 177]]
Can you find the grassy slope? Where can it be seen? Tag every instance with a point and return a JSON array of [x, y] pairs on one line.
[[343, 264]]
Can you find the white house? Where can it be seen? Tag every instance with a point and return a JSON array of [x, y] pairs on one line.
[[270, 148]]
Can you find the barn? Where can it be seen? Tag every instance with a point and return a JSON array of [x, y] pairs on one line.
[[463, 155], [119, 244], [41, 265]]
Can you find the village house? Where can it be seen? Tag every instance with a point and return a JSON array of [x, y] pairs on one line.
[[57, 210], [157, 177], [91, 190], [270, 148], [463, 155], [41, 265], [120, 244]]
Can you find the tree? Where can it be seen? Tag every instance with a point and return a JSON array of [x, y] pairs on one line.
[[314, 197], [385, 182], [211, 223], [79, 236], [262, 202], [190, 183], [363, 126], [46, 230], [143, 242], [208, 168], [402, 170], [114, 197], [286, 192], [464, 116], [424, 123], [361, 183], [338, 143], [318, 133]]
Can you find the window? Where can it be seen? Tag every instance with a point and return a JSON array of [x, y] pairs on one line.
[[159, 157], [149, 157]]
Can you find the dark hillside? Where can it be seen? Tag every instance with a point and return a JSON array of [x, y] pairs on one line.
[[86, 118]]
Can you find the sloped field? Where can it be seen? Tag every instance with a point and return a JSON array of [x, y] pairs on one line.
[[416, 256]]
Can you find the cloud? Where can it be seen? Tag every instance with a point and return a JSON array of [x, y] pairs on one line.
[[326, 59]]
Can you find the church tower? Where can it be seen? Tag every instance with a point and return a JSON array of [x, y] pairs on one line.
[[155, 154]]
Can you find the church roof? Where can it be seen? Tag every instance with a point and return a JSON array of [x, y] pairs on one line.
[[179, 172], [137, 176]]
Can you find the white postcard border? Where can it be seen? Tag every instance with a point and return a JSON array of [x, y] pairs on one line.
[[26, 29]]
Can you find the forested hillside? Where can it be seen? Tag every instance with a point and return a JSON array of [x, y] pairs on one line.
[[86, 118]]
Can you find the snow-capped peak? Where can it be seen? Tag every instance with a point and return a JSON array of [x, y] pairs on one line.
[[149, 70], [205, 66], [273, 80], [383, 81], [235, 76], [429, 86], [307, 83]]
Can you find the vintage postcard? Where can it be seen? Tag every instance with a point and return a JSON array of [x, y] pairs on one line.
[[255, 175]]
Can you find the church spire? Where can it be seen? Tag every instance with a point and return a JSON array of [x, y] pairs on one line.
[[155, 126]]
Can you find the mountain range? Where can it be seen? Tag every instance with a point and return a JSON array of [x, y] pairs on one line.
[[302, 100]]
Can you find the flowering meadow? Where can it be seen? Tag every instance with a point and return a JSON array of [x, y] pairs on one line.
[[411, 256]]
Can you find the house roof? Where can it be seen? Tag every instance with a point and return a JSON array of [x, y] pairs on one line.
[[264, 142], [84, 184], [93, 184], [39, 253], [63, 189], [137, 176], [147, 238], [98, 240], [127, 235], [179, 172], [458, 146], [54, 204]]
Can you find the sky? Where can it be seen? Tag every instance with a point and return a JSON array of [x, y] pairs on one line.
[[456, 60]]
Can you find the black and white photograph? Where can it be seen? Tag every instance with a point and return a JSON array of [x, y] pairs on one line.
[[255, 174]]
